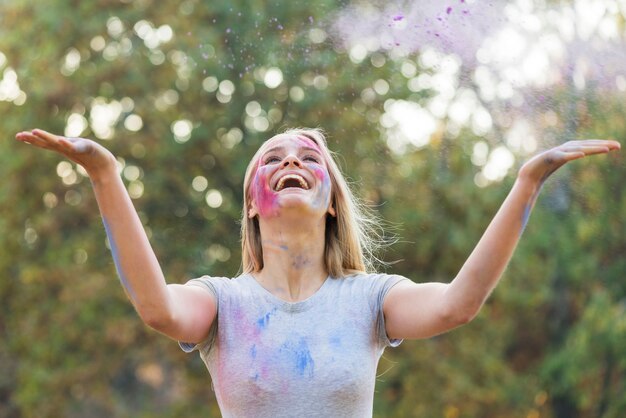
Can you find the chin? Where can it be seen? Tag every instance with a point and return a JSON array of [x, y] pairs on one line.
[[297, 206]]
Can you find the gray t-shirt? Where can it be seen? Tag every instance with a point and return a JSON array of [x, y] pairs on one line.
[[314, 358]]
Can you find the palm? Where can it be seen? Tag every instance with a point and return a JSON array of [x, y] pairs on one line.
[[540, 167], [85, 152]]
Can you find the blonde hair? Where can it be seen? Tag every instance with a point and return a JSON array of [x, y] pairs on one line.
[[351, 235]]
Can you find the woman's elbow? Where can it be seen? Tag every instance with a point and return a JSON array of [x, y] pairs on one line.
[[157, 320], [466, 317], [457, 316]]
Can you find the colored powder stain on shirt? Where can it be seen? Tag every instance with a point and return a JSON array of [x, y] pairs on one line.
[[117, 262], [335, 341], [264, 321], [246, 326], [322, 352], [300, 355], [305, 363], [398, 18]]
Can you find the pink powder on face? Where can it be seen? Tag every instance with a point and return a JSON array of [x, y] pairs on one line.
[[309, 143], [261, 192], [266, 199]]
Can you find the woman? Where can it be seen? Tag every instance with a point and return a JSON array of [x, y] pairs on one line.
[[301, 331]]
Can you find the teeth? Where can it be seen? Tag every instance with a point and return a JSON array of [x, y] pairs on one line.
[[301, 180]]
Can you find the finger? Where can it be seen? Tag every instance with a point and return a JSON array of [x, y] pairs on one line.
[[21, 136], [77, 145], [46, 136], [29, 138], [571, 156], [612, 145], [66, 143], [603, 142], [589, 149]]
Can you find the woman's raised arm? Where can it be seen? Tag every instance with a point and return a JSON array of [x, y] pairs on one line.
[[423, 310], [181, 312]]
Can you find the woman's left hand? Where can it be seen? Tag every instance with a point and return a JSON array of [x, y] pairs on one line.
[[541, 166]]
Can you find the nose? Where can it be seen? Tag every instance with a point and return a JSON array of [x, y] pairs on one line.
[[291, 160]]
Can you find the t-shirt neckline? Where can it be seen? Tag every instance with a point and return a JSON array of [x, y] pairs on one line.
[[287, 306]]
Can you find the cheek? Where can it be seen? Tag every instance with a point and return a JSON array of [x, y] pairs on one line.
[[324, 191], [261, 192]]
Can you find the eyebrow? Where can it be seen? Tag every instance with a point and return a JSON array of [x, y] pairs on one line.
[[278, 149]]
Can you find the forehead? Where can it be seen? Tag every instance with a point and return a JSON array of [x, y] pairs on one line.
[[288, 141]]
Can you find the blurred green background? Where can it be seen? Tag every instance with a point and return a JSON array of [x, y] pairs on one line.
[[184, 92]]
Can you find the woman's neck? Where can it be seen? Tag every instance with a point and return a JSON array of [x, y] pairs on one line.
[[293, 258]]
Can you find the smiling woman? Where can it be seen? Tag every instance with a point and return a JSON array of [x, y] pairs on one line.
[[346, 236], [301, 330]]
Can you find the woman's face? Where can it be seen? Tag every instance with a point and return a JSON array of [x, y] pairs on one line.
[[291, 176]]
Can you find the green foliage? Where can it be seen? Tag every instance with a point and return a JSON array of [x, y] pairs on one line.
[[548, 342]]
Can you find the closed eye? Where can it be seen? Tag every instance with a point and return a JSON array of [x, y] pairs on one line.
[[311, 158], [272, 160]]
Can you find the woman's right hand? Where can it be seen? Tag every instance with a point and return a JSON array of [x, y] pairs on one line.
[[91, 155]]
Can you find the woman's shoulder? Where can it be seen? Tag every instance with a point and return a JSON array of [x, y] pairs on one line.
[[372, 276], [369, 281], [220, 283]]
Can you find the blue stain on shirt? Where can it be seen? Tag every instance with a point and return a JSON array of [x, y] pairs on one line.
[[264, 321], [304, 361], [300, 356], [335, 341], [116, 260]]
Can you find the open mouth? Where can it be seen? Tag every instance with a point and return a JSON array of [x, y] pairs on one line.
[[291, 181]]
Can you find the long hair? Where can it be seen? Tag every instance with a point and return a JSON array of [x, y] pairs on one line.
[[351, 236]]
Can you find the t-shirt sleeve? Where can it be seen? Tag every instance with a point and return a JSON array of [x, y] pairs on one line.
[[214, 285], [383, 284]]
